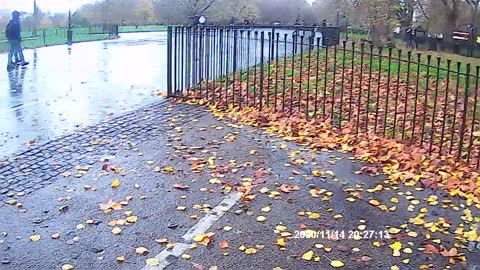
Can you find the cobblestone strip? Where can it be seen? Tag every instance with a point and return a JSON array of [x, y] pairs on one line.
[[37, 167]]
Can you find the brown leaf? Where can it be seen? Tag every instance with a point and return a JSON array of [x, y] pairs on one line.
[[430, 249], [180, 186], [453, 252], [223, 244], [363, 259]]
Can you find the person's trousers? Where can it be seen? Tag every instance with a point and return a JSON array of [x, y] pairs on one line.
[[15, 50]]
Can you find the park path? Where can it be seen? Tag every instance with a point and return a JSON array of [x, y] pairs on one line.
[[157, 188], [65, 88]]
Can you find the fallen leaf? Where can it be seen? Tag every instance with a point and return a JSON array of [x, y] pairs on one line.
[[336, 263], [223, 244], [141, 251], [116, 183], [308, 255], [67, 267], [116, 230], [35, 238], [153, 262]]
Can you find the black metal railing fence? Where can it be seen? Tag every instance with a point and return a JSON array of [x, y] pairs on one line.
[[398, 94]]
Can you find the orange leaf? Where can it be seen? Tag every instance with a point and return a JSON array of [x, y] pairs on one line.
[[223, 244], [430, 249]]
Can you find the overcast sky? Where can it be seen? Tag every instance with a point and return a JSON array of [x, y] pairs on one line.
[[45, 5]]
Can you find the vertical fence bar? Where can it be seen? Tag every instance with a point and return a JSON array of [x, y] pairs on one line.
[[284, 78], [294, 37], [445, 107], [377, 104], [175, 56], [248, 66], [342, 87], [465, 112], [352, 79], [182, 61], [277, 40], [227, 64], [240, 72], [425, 102], [367, 107], [359, 101], [399, 69], [262, 56], [387, 97], [169, 61], [457, 86], [435, 99], [474, 116], [269, 62], [417, 89], [405, 105], [334, 84], [309, 66], [317, 78], [207, 63], [235, 59], [255, 69], [324, 108], [301, 75]]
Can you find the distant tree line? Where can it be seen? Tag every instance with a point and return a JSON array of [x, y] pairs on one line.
[[377, 17]]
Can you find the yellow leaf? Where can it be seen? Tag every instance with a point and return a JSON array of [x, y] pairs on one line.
[[314, 216], [141, 251], [153, 262], [394, 200], [261, 218], [132, 219], [266, 209], [336, 263], [250, 251], [408, 250], [308, 255], [394, 230], [396, 245], [227, 228], [35, 238], [161, 240], [337, 216], [116, 183], [281, 242], [116, 230], [181, 208], [121, 259], [374, 202], [186, 256], [350, 199]]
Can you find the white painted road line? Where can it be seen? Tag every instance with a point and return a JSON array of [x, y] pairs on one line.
[[200, 228]]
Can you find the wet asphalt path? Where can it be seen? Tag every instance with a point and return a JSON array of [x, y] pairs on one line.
[[66, 88]]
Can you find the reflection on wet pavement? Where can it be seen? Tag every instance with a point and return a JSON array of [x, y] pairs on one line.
[[67, 88]]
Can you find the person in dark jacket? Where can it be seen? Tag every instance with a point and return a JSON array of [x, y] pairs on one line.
[[15, 41]]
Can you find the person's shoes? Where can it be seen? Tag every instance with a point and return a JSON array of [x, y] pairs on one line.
[[24, 63]]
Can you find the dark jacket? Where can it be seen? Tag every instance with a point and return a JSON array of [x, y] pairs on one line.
[[15, 30]]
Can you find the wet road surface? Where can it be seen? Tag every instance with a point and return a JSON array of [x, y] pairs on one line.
[[65, 88]]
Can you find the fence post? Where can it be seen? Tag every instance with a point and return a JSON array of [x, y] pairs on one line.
[[169, 61], [262, 55]]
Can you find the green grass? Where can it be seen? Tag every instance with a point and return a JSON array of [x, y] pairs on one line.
[[145, 28]]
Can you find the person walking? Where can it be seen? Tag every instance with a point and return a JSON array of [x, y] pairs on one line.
[[13, 34]]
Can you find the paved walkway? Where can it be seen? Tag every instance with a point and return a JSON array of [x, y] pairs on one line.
[[67, 88], [178, 172]]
